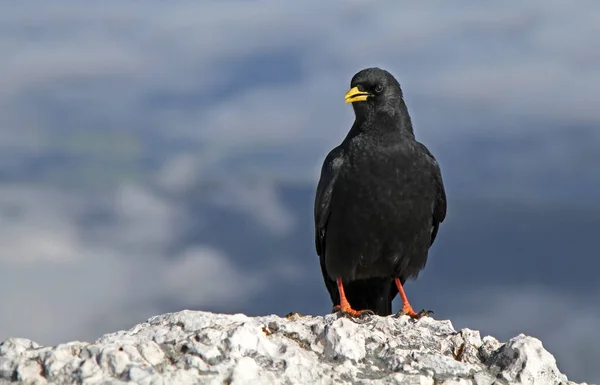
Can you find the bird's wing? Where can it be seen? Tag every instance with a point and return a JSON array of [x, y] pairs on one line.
[[329, 173], [440, 205], [322, 210]]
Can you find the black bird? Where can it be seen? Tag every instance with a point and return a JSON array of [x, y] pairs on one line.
[[379, 202]]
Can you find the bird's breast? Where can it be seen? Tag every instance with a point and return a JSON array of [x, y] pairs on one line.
[[379, 184]]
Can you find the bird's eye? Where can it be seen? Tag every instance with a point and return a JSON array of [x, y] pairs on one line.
[[378, 88]]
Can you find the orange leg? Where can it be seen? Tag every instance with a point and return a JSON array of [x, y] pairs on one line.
[[406, 307], [344, 305]]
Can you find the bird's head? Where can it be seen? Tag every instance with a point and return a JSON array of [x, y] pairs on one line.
[[373, 90]]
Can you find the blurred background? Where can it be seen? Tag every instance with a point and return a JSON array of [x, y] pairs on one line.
[[161, 157]]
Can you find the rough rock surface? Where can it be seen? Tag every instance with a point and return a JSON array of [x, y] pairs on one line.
[[192, 347]]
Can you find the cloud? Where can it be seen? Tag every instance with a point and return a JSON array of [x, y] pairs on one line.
[[55, 242], [186, 175], [201, 272], [78, 264], [61, 281], [262, 95], [158, 70], [260, 201]]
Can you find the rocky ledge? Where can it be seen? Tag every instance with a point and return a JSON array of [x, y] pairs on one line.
[[193, 347]]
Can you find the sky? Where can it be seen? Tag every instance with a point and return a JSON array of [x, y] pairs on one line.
[[159, 157]]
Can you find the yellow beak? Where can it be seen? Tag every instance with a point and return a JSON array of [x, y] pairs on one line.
[[355, 95]]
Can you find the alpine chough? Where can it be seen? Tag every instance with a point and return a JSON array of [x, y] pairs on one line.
[[379, 202]]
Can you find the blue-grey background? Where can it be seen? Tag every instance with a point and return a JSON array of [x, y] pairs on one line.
[[164, 155]]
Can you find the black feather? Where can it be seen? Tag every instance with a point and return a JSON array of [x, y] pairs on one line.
[[379, 201]]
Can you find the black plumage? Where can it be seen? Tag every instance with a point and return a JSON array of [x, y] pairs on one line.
[[379, 201]]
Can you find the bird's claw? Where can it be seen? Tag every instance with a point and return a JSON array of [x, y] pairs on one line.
[[366, 314], [355, 314], [412, 314], [423, 313], [360, 317]]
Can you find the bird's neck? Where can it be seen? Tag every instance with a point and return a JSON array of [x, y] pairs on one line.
[[384, 121]]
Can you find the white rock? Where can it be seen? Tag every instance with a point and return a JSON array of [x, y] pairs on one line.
[[151, 352], [343, 341], [524, 360], [247, 371], [204, 348]]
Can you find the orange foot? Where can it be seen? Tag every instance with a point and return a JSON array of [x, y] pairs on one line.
[[353, 313], [406, 308], [344, 305]]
